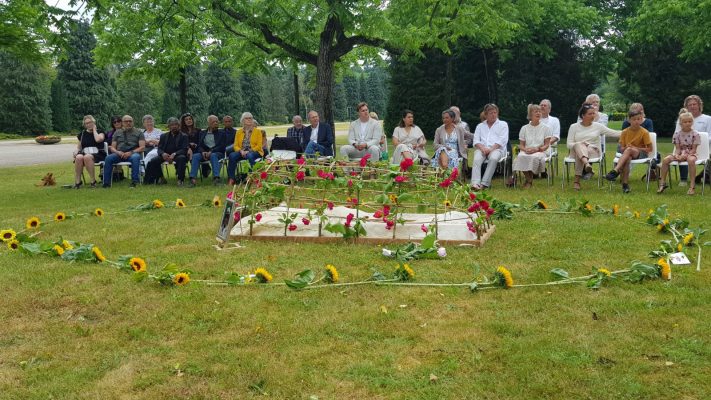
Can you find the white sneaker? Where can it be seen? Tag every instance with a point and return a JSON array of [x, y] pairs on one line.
[[682, 183]]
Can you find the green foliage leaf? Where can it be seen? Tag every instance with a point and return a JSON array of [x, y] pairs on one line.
[[301, 280], [560, 274]]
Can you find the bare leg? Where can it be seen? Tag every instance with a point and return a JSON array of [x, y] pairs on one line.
[[78, 165], [443, 160], [692, 173], [89, 164]]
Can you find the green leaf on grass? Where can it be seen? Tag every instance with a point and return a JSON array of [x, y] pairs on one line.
[[302, 279], [559, 274]]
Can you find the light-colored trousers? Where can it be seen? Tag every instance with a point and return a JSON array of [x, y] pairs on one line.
[[581, 150], [479, 158], [350, 152]]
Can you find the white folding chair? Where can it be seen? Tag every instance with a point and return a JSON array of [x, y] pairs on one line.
[[702, 158], [651, 157], [552, 162], [602, 168], [99, 165]]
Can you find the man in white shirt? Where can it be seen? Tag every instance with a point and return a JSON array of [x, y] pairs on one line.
[[363, 136], [551, 121], [490, 139]]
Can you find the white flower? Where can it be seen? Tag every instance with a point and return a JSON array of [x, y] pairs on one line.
[[387, 253], [442, 252]]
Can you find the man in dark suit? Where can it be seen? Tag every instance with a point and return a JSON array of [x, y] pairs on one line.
[[318, 138]]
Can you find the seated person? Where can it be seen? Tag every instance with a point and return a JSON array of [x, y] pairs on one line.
[[211, 147], [534, 141], [318, 137], [364, 135], [152, 135], [90, 150], [126, 146], [490, 139], [635, 143], [173, 149], [450, 142], [249, 142], [409, 141], [686, 142]]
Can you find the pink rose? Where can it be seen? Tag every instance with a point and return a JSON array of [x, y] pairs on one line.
[[305, 221], [292, 227], [300, 176], [258, 217], [424, 228], [400, 179], [301, 161]]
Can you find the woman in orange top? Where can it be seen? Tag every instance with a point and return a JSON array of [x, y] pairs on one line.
[[248, 146]]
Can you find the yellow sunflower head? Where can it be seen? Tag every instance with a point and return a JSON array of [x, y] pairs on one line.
[[181, 279], [157, 203], [262, 275], [216, 201], [60, 216], [13, 244], [605, 271], [7, 235], [97, 254], [137, 264], [688, 238], [410, 273], [660, 227], [447, 203], [636, 214], [664, 269], [679, 247], [542, 205], [588, 207], [505, 277], [393, 198], [67, 245], [616, 210], [404, 272], [32, 223], [331, 273], [180, 203], [58, 249], [99, 212]]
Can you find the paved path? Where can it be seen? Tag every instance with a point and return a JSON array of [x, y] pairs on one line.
[[28, 152]]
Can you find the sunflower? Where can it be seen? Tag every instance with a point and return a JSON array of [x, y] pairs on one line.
[[588, 207], [331, 273], [137, 264], [58, 249], [542, 205], [97, 254], [447, 203], [7, 235], [67, 245], [505, 277], [688, 238], [404, 272], [410, 273], [679, 247], [616, 210], [216, 201], [636, 214], [13, 244], [32, 223], [60, 216], [665, 269], [99, 212], [181, 279], [157, 203], [180, 203], [605, 271], [393, 198], [263, 276]]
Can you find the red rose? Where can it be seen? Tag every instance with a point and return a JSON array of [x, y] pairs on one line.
[[263, 175], [406, 164], [305, 221], [454, 174], [400, 179], [378, 214], [301, 161], [300, 176], [292, 227], [258, 217]]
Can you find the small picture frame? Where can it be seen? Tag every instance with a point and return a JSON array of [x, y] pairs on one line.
[[679, 259], [226, 222]]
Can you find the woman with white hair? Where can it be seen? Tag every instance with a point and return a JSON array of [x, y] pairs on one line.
[[248, 145], [594, 100], [534, 141], [90, 150], [152, 135]]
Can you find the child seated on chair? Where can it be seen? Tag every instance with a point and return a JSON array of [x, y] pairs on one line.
[[685, 141], [635, 144]]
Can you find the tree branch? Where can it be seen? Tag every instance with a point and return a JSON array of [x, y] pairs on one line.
[[268, 35]]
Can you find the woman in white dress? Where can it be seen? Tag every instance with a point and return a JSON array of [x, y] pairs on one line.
[[409, 141], [534, 140]]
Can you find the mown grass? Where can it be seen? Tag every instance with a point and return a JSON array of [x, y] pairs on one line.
[[86, 331]]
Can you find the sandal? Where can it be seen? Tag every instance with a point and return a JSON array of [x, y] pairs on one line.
[[662, 188], [527, 185], [77, 185], [576, 185], [691, 191], [93, 185]]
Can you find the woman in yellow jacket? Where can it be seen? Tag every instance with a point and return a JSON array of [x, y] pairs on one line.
[[248, 146]]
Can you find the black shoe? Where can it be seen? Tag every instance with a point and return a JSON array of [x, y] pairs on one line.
[[216, 181], [193, 182], [105, 186], [93, 185], [162, 181], [134, 184], [180, 183], [612, 175], [76, 185], [625, 188]]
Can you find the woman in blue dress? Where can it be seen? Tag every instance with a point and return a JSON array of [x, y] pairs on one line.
[[450, 142]]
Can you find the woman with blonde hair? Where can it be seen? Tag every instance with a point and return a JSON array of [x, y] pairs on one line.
[[248, 146], [534, 141], [90, 150]]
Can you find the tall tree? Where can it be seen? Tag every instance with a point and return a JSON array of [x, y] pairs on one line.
[[88, 87], [61, 120], [29, 29], [224, 91], [24, 96], [137, 98], [252, 91]]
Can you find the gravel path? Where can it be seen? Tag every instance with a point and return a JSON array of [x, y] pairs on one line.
[[28, 152]]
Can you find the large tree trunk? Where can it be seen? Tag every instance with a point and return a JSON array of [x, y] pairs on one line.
[[324, 86], [297, 106], [183, 89]]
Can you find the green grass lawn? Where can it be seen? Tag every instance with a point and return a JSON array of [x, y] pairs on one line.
[[87, 331]]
